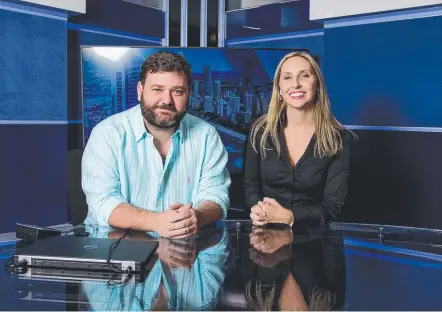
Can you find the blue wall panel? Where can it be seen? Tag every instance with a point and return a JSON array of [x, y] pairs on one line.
[[386, 74], [33, 67], [389, 74], [33, 175], [33, 91]]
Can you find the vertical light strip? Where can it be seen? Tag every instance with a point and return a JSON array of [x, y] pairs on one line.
[[221, 22], [203, 24], [183, 23], [165, 41]]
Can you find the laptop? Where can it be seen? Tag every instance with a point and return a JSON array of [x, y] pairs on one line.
[[73, 276], [86, 253]]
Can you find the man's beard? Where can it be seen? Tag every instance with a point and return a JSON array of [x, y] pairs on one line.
[[152, 118]]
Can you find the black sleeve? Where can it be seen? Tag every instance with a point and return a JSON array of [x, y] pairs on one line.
[[335, 191], [252, 176]]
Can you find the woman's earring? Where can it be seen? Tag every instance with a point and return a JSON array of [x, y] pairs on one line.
[[280, 97]]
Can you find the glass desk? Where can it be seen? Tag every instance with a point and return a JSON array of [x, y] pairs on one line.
[[239, 267]]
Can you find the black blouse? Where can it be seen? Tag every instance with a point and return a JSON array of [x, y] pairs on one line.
[[314, 190]]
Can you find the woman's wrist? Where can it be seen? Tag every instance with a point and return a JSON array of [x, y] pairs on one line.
[[289, 218]]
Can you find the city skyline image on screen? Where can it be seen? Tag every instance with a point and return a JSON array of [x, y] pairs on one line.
[[230, 87]]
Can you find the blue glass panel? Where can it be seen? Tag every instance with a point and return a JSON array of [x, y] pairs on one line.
[[270, 19]]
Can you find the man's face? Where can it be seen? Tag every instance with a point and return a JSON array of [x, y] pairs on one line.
[[164, 98]]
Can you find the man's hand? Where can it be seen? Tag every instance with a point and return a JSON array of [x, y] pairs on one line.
[[163, 219], [184, 223], [176, 254]]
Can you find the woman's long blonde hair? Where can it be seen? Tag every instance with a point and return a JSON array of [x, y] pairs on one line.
[[262, 298], [327, 128]]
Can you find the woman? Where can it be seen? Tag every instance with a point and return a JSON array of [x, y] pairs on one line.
[[297, 155]]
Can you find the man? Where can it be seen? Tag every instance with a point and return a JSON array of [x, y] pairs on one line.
[[152, 167]]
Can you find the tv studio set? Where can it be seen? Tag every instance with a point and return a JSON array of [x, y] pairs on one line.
[[228, 155]]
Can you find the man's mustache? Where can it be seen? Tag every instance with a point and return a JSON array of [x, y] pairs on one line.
[[170, 107]]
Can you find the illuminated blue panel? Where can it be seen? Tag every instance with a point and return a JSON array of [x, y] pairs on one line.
[[386, 74]]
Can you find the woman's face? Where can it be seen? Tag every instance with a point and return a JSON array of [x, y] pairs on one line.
[[297, 83]]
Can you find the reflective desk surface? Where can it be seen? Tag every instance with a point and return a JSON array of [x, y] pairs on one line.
[[239, 267]]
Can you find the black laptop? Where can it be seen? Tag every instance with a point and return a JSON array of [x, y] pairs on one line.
[[85, 253]]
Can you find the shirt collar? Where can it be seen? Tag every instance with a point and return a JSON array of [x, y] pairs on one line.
[[138, 124], [140, 129], [181, 130]]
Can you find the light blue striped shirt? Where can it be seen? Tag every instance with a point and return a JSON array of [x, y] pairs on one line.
[[121, 164]]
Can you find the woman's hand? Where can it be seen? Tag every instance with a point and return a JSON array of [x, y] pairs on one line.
[[270, 211], [269, 240], [270, 246], [258, 215]]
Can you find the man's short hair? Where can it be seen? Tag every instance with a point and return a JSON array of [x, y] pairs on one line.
[[163, 61]]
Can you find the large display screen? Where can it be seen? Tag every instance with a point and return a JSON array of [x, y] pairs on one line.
[[231, 87]]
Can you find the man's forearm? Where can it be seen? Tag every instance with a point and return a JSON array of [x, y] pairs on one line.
[[126, 216], [208, 212]]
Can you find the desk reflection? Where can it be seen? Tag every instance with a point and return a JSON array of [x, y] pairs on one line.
[[249, 269], [186, 275], [301, 271]]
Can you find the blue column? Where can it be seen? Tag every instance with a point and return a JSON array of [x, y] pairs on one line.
[[33, 123]]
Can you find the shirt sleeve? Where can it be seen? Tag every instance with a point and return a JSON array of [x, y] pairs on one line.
[[252, 177], [215, 179], [100, 177], [210, 273], [335, 191]]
